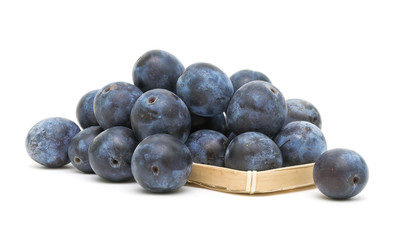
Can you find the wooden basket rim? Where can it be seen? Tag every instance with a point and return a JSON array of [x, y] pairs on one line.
[[250, 182]]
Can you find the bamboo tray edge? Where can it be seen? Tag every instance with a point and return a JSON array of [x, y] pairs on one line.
[[235, 181]]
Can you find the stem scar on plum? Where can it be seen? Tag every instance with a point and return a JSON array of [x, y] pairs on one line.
[[77, 160], [155, 170], [152, 100], [115, 163], [108, 89], [273, 91]]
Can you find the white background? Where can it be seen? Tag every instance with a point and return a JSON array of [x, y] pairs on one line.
[[345, 57]]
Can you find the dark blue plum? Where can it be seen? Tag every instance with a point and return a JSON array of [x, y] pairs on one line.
[[160, 111], [245, 76], [113, 104], [161, 163], [157, 69], [257, 106], [85, 110], [78, 149], [205, 89], [217, 123], [340, 173], [253, 151], [301, 110], [300, 143], [110, 154], [48, 140], [208, 147]]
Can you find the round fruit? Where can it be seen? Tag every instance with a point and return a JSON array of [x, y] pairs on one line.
[[110, 154], [160, 111], [253, 151], [257, 106], [113, 104], [157, 69], [205, 89], [245, 76], [301, 110], [300, 143], [161, 163], [48, 140], [340, 173], [85, 110], [78, 149], [208, 147]]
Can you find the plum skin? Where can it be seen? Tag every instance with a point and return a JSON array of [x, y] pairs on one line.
[[340, 173], [300, 142], [47, 141], [205, 89], [208, 147], [113, 104], [245, 76], [157, 69], [161, 163], [253, 151], [85, 110], [78, 149], [110, 154], [160, 111], [302, 110], [257, 106]]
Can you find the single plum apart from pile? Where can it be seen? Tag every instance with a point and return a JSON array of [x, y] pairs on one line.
[[340, 173], [48, 140]]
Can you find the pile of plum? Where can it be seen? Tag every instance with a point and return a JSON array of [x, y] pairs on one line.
[[153, 130]]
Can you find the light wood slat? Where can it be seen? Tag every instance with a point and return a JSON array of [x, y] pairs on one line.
[[235, 181]]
